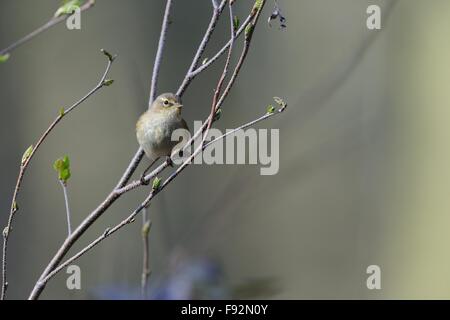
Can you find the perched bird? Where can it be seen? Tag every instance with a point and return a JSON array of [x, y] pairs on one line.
[[155, 127]]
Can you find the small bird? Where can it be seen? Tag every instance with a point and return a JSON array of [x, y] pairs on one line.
[[155, 127]]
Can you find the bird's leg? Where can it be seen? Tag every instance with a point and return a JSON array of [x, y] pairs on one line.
[[145, 173], [169, 161]]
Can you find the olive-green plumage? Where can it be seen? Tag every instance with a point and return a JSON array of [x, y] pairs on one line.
[[154, 128]]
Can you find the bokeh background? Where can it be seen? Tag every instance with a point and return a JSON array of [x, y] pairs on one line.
[[364, 157]]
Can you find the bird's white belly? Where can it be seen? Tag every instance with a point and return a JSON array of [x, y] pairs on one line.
[[155, 139]]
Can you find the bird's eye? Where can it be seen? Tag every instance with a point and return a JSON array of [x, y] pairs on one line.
[[166, 102]]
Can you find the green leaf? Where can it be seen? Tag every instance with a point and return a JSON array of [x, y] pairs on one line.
[[156, 184], [236, 23], [108, 82], [270, 109], [57, 165], [68, 8], [4, 57], [66, 162], [27, 154], [5, 232], [62, 166]]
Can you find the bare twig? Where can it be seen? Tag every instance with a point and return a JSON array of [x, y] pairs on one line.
[[159, 53], [223, 76], [26, 161], [52, 22], [66, 201], [146, 226], [217, 11], [224, 49]]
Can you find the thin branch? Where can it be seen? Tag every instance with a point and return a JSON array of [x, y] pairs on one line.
[[66, 201], [27, 160], [130, 219], [52, 22], [224, 49], [159, 53], [244, 126]]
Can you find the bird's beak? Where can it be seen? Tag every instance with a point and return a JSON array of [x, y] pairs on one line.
[[179, 106]]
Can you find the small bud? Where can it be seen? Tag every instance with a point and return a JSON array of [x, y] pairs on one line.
[[108, 82], [146, 228], [26, 155], [5, 232], [204, 61], [156, 184], [109, 55], [67, 8], [270, 109], [280, 102], [218, 114], [62, 166], [249, 31], [236, 23], [15, 206], [62, 112]]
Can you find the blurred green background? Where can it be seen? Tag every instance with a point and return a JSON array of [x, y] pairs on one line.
[[363, 151]]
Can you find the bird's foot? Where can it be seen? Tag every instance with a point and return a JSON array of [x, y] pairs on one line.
[[169, 161], [143, 181]]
